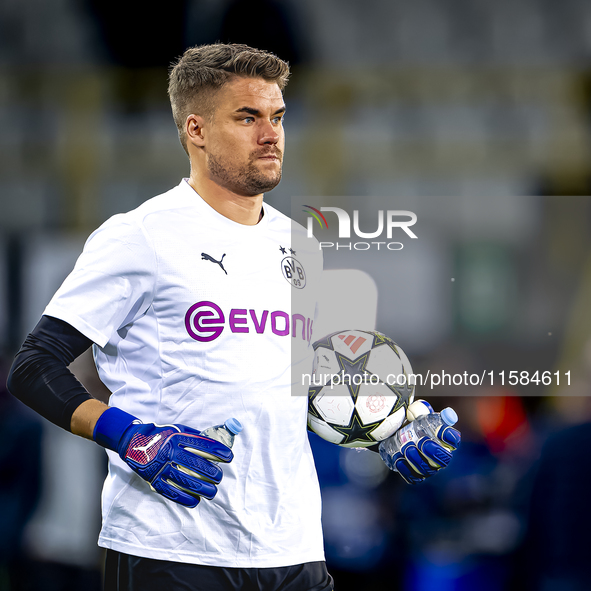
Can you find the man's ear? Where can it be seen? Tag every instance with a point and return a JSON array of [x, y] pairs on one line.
[[194, 130]]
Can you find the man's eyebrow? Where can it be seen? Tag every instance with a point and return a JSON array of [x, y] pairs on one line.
[[258, 113]]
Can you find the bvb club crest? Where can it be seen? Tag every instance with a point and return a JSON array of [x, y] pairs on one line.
[[294, 272]]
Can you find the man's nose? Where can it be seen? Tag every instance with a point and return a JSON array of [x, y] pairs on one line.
[[268, 135]]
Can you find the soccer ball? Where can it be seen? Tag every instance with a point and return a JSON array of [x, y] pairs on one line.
[[359, 388]]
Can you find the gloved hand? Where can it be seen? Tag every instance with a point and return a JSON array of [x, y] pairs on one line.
[[417, 451], [172, 458]]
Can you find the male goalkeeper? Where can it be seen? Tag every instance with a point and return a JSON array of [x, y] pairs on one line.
[[192, 323]]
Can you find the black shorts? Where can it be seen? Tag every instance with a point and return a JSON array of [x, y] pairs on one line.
[[131, 573]]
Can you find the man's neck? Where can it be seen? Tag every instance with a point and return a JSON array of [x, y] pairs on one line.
[[242, 210]]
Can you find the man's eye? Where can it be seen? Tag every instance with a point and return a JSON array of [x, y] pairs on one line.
[[248, 119], [278, 120]]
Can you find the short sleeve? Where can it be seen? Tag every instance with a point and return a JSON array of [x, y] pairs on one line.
[[112, 283]]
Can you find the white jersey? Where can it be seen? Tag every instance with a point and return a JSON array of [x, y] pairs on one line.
[[197, 319]]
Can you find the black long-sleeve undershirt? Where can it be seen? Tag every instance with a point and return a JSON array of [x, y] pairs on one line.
[[39, 375]]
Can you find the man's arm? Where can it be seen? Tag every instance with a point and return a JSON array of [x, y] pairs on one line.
[[85, 417], [40, 377], [171, 458]]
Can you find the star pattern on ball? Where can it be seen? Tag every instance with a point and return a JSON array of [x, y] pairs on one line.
[[379, 339], [292, 251], [394, 347], [351, 369], [326, 342], [283, 250], [405, 393], [313, 391], [356, 431]]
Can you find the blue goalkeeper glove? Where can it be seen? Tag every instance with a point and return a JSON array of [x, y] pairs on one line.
[[418, 455], [169, 457]]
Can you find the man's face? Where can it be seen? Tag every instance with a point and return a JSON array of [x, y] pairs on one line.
[[244, 141]]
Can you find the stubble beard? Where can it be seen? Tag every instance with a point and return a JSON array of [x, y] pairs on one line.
[[247, 180]]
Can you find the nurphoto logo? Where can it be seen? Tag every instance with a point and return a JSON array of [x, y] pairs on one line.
[[393, 218]]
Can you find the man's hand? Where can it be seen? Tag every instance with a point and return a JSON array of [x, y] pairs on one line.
[[420, 456], [174, 459]]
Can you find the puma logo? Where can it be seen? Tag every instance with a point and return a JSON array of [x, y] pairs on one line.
[[206, 257], [144, 448]]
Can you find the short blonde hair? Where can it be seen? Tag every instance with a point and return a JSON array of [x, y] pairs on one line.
[[204, 69]]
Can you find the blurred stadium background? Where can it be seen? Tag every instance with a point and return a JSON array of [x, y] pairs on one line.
[[476, 115]]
